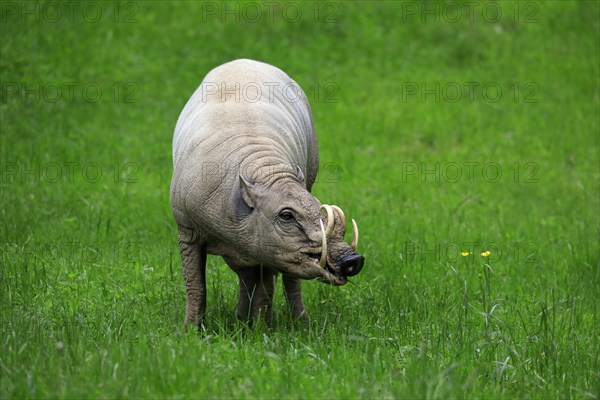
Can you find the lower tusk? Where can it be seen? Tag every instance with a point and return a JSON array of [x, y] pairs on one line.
[[354, 235], [323, 259], [330, 219]]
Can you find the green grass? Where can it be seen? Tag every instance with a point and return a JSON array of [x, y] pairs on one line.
[[92, 296]]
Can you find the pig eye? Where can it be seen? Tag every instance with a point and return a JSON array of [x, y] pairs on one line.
[[286, 215]]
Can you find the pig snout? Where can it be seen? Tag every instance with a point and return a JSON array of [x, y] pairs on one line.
[[352, 264]]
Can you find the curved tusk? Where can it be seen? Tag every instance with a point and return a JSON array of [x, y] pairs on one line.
[[330, 219], [336, 208], [354, 235], [323, 259]]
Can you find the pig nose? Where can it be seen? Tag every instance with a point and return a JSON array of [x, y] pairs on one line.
[[352, 265]]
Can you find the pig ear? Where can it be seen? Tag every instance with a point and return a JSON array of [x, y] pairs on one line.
[[247, 192], [300, 175]]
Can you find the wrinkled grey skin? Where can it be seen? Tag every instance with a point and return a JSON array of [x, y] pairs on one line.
[[245, 158]]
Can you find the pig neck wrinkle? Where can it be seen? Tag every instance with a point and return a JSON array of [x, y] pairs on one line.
[[267, 165]]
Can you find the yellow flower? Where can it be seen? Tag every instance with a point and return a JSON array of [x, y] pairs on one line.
[[486, 253], [464, 253]]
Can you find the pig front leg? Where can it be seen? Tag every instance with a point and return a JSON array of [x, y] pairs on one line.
[[262, 301], [248, 280], [193, 258], [255, 300], [293, 294]]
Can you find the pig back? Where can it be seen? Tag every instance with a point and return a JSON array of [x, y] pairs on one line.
[[246, 118]]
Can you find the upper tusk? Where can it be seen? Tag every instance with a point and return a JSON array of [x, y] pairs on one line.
[[323, 259], [336, 208], [330, 219], [354, 235]]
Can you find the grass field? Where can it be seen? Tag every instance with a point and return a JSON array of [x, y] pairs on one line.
[[444, 127]]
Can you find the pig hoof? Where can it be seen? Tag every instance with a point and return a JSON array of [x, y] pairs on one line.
[[301, 316]]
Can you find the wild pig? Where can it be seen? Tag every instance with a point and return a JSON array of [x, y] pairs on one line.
[[245, 158]]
